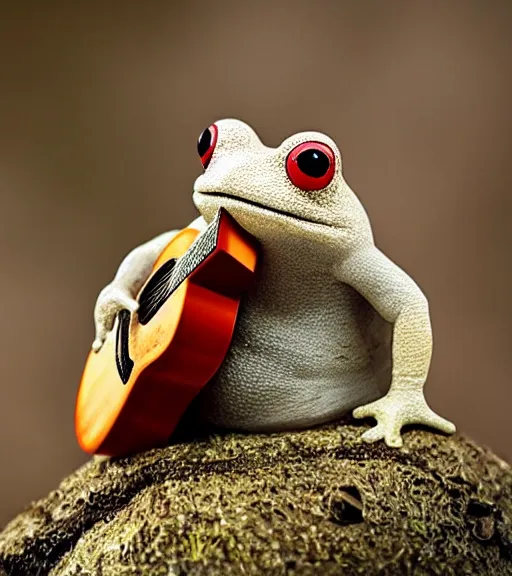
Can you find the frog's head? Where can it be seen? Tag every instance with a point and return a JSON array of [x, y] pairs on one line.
[[299, 183]]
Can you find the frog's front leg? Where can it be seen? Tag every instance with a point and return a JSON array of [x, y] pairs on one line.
[[133, 272], [397, 298]]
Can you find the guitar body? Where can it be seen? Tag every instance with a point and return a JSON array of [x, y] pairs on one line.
[[134, 391]]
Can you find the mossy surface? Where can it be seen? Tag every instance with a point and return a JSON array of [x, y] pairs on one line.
[[311, 502]]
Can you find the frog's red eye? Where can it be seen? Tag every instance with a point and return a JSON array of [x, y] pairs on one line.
[[206, 144], [310, 166]]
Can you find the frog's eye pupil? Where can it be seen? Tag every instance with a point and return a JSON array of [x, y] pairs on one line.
[[310, 166], [313, 163], [206, 144]]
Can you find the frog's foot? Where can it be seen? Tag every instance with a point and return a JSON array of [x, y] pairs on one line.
[[397, 409], [111, 301]]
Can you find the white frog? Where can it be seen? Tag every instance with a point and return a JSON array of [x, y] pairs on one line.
[[332, 326]]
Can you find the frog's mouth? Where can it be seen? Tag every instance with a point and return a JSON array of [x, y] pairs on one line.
[[268, 209], [249, 202]]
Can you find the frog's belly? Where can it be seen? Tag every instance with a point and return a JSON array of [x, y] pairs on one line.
[[296, 369]]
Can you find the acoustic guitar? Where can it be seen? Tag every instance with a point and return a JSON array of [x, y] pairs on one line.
[[134, 391]]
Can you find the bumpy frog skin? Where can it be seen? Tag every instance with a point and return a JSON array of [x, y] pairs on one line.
[[332, 326]]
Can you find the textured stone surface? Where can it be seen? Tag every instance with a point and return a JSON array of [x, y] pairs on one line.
[[311, 502]]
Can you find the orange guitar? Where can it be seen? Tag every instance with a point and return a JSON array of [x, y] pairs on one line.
[[134, 391]]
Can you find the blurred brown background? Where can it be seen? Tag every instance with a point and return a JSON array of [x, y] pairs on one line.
[[100, 108]]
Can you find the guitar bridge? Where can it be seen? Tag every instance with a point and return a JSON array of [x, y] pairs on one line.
[[123, 361]]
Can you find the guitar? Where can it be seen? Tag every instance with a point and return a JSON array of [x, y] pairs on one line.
[[134, 391]]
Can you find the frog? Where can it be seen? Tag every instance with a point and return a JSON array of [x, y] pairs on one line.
[[332, 327]]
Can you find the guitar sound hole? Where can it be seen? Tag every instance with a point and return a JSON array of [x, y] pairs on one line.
[[156, 292], [123, 361]]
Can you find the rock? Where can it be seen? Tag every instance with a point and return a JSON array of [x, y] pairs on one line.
[[312, 502]]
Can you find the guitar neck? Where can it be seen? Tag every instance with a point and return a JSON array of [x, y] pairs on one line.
[[200, 249], [170, 275]]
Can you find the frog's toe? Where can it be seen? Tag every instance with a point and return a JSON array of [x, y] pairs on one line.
[[97, 344], [390, 435], [374, 434], [366, 411], [439, 423], [393, 438]]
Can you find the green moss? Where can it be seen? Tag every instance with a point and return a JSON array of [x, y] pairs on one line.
[[311, 502]]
